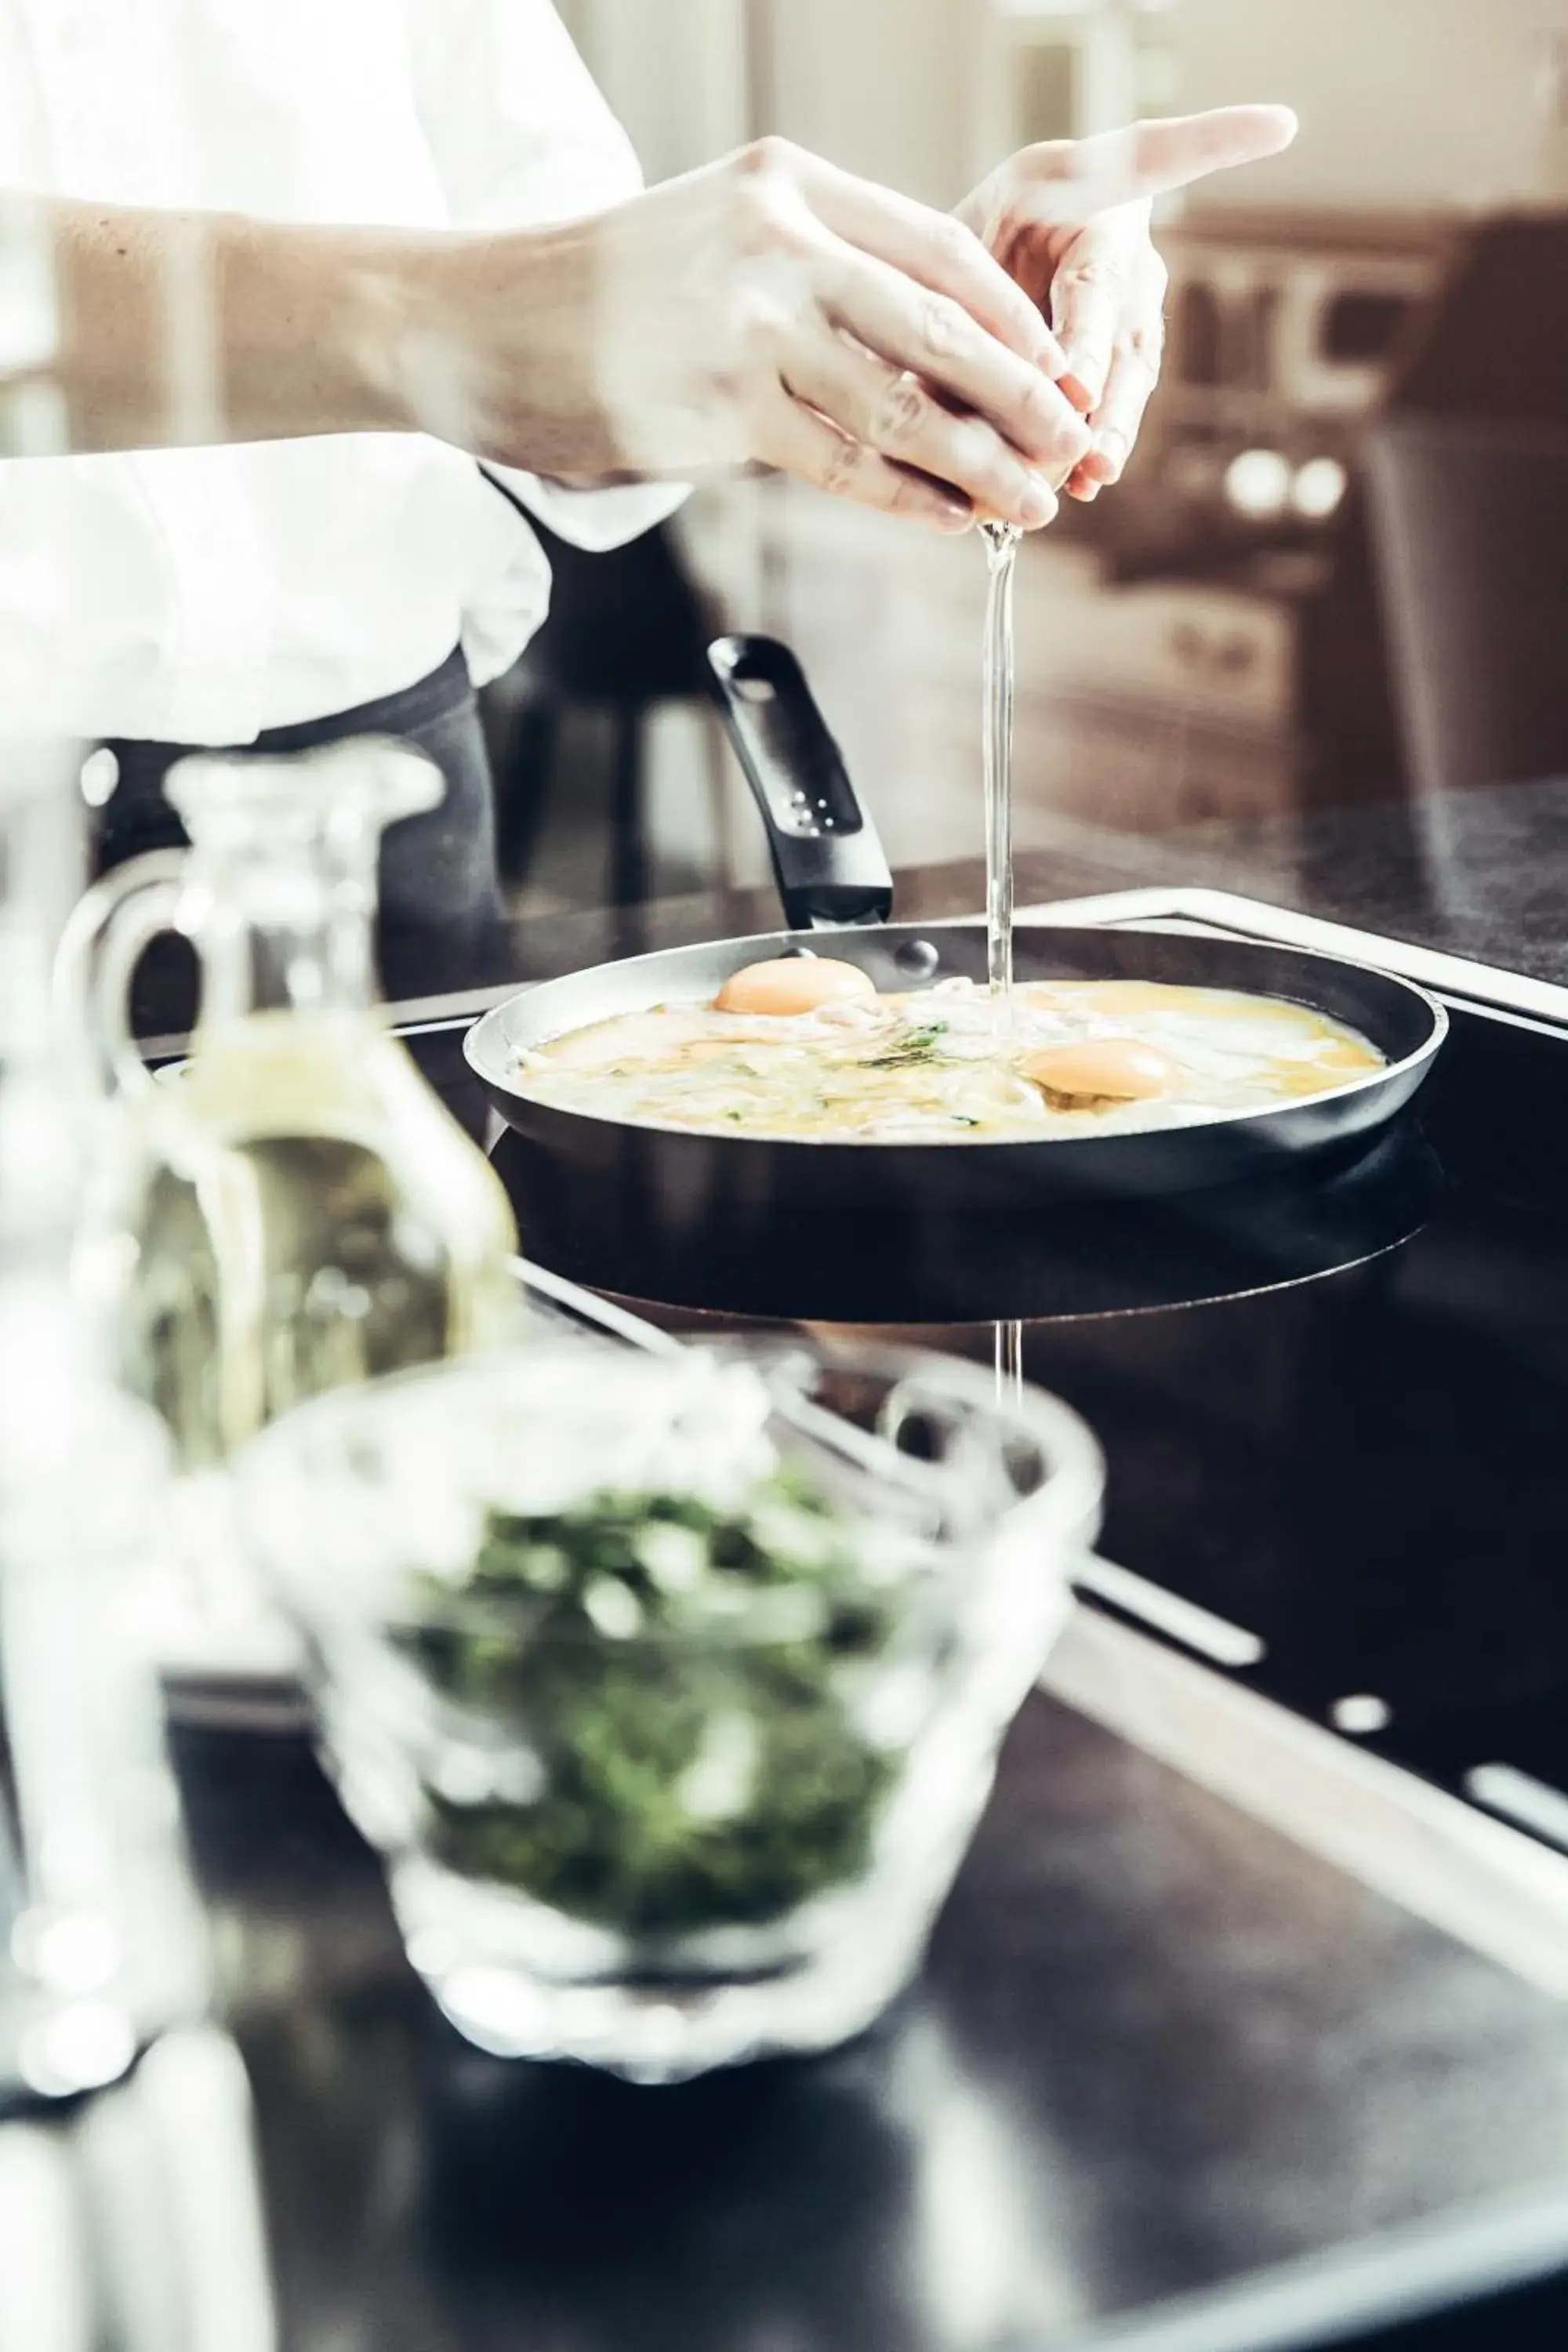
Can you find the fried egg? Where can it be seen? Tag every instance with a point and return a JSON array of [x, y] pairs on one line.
[[806, 1047]]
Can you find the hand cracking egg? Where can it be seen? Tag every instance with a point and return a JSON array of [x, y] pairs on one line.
[[1102, 1069], [793, 984]]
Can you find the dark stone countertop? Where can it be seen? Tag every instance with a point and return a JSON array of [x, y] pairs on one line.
[[1481, 875]]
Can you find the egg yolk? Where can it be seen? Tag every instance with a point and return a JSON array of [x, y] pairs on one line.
[[1112, 1069], [788, 984]]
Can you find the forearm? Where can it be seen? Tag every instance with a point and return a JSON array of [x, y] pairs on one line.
[[178, 329], [765, 310]]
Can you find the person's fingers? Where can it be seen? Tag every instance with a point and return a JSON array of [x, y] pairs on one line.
[[1072, 180], [889, 411], [1092, 293], [936, 249], [935, 338], [797, 441], [1109, 301], [1134, 372]]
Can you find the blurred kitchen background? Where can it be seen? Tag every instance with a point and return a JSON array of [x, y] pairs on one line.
[[1335, 570]]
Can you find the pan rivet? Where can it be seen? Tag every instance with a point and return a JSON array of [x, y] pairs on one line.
[[917, 958]]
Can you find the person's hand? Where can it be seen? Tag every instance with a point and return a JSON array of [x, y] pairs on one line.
[[768, 309], [1070, 221]]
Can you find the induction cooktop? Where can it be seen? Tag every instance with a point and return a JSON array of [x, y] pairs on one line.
[[1333, 1580]]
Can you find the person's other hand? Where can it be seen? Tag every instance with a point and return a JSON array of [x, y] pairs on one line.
[[767, 309], [1069, 221]]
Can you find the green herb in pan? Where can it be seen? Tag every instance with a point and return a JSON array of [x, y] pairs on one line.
[[915, 1048]]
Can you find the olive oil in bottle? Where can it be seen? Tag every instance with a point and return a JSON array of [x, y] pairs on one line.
[[294, 1209]]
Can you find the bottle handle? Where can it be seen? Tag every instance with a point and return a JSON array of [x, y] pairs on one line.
[[104, 940]]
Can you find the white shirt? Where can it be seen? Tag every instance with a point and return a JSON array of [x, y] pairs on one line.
[[202, 595]]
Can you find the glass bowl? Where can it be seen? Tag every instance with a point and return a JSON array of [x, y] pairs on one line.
[[671, 1688]]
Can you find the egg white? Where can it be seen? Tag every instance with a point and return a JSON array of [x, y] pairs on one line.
[[870, 1069]]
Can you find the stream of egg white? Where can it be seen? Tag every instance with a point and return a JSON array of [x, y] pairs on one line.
[[1001, 551], [1007, 1358], [1001, 558]]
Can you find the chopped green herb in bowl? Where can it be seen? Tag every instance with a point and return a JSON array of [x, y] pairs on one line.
[[684, 1679]]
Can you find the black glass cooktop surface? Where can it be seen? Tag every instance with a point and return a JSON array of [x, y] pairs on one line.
[[1335, 1411]]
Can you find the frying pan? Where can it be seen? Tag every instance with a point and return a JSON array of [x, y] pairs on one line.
[[644, 1208]]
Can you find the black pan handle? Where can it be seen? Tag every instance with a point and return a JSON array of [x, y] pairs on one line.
[[827, 857]]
